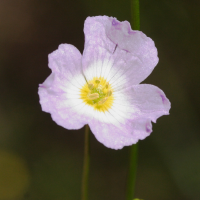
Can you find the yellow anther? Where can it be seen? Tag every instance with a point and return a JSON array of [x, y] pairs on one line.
[[109, 93], [103, 101], [93, 96], [97, 81], [90, 86], [107, 86]]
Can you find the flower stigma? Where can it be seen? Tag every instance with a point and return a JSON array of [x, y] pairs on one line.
[[97, 93]]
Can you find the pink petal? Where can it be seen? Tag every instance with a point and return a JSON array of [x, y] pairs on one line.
[[149, 101], [55, 105], [128, 133], [121, 69], [95, 32], [65, 62], [143, 103], [131, 51], [54, 93]]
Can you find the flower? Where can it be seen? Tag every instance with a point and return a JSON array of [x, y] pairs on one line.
[[101, 87]]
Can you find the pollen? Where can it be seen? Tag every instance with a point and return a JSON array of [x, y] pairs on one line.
[[97, 81], [90, 86], [102, 101], [93, 96], [97, 93]]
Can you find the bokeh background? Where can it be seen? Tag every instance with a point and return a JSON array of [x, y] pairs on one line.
[[40, 160]]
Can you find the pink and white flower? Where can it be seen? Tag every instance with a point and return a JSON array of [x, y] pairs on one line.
[[101, 87]]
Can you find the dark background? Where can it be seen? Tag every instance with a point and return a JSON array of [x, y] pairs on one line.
[[40, 160]]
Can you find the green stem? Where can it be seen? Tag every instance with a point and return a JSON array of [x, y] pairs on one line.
[[86, 162], [130, 190], [135, 24], [135, 15]]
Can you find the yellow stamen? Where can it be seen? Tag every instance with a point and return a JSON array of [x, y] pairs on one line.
[[93, 96], [97, 93], [109, 93], [103, 100], [90, 86], [97, 81]]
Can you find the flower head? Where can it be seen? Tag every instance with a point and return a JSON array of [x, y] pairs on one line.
[[101, 87]]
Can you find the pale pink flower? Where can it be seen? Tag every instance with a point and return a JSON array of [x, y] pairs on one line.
[[101, 87]]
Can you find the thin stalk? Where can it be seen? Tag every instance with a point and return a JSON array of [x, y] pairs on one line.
[[130, 190], [86, 163], [135, 15]]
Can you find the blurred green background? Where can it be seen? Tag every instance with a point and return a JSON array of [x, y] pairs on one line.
[[40, 160]]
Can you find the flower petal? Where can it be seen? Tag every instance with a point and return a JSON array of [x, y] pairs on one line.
[[129, 119], [110, 43], [116, 138], [60, 92], [65, 62], [149, 101], [119, 68], [95, 32]]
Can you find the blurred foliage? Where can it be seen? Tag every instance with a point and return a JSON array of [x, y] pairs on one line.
[[40, 160], [14, 176]]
